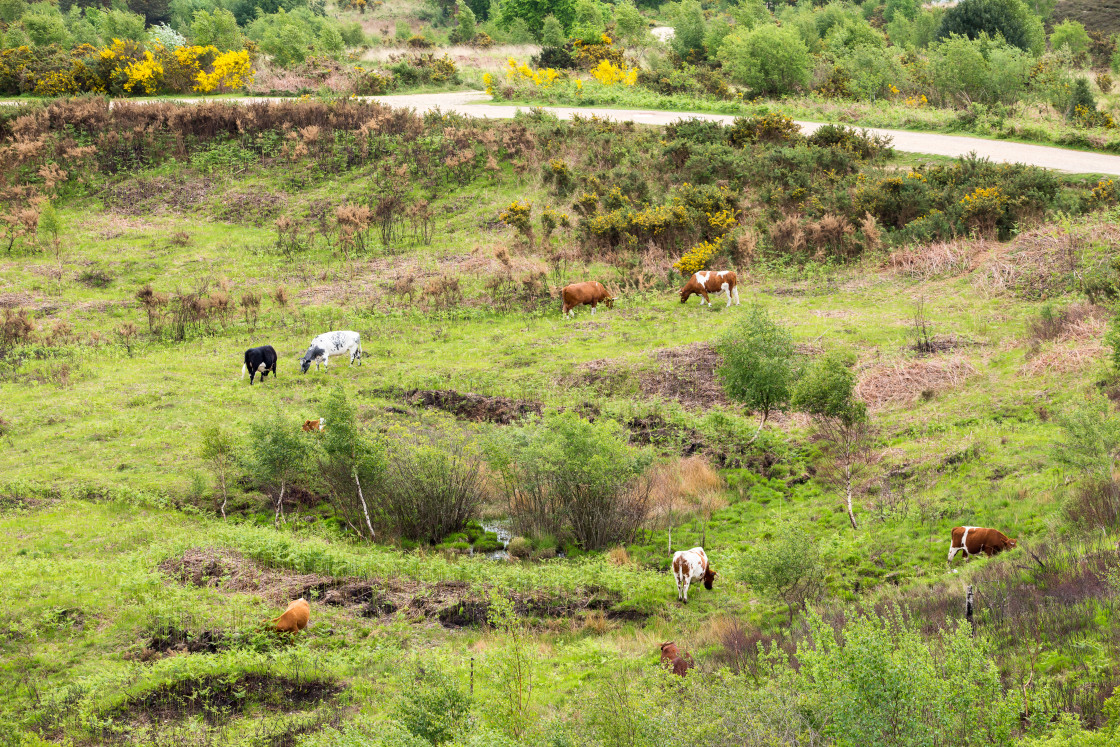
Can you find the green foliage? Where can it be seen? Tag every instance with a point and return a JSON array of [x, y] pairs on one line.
[[218, 449], [434, 707], [118, 24], [565, 475], [290, 37], [788, 567], [218, 29], [589, 20], [11, 10], [1010, 19], [351, 463], [44, 25], [978, 70], [531, 13], [277, 456], [630, 25], [880, 683], [826, 389], [552, 33], [901, 9], [768, 60], [247, 10], [758, 366], [1081, 100], [465, 29], [1091, 431], [689, 29], [1072, 35]]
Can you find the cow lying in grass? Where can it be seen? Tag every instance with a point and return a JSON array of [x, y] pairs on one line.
[[311, 426], [332, 343], [591, 293], [691, 565], [261, 361], [976, 540], [295, 618], [711, 281]]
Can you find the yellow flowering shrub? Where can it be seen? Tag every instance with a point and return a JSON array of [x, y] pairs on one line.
[[125, 67], [518, 215], [698, 257], [983, 207], [231, 72], [608, 74], [521, 73], [1104, 193]]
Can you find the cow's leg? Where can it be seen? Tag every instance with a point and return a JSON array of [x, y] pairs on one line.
[[735, 292], [687, 581], [954, 550], [706, 300], [593, 304], [678, 580], [727, 290]]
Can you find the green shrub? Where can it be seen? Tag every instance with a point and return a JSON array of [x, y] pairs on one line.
[[1009, 18], [768, 60], [689, 28], [434, 707], [520, 547], [981, 70], [566, 475], [758, 366], [1072, 35], [788, 567]]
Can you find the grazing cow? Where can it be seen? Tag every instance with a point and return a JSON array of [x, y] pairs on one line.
[[332, 343], [976, 540], [691, 565], [311, 426], [577, 294], [682, 664], [294, 618], [259, 360], [710, 281]]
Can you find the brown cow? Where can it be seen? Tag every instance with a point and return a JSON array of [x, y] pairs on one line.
[[310, 426], [669, 652], [976, 540], [592, 293], [682, 664], [295, 618], [712, 281]]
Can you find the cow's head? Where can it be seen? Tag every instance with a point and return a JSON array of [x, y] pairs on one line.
[[1011, 543], [709, 577], [609, 301], [685, 293], [309, 358]]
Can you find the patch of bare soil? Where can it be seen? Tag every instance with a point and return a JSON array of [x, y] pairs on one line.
[[654, 430], [686, 374], [942, 344], [156, 194], [907, 381], [470, 406], [453, 604], [217, 697]]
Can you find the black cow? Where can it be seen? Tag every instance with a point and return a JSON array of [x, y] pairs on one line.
[[259, 360]]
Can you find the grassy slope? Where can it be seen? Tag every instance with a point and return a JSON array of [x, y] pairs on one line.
[[980, 452]]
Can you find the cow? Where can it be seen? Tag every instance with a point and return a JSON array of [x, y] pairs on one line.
[[712, 281], [682, 664], [691, 565], [259, 360], [295, 618], [577, 294], [669, 652], [976, 540], [332, 343], [312, 426]]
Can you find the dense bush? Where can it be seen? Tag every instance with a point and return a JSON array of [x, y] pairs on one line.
[[1011, 19], [565, 476], [768, 60]]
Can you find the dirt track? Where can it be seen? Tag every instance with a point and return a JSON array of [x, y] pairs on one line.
[[1060, 159]]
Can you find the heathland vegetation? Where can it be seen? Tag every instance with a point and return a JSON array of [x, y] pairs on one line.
[[483, 528]]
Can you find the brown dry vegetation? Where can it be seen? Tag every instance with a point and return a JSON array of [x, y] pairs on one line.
[[907, 381]]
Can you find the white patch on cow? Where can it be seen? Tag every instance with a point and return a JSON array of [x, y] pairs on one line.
[[262, 367], [953, 550], [735, 292], [726, 288], [702, 278], [721, 273], [322, 422]]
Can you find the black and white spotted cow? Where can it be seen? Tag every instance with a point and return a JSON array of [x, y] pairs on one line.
[[261, 361], [332, 343]]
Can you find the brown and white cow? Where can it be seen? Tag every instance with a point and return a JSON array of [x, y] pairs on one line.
[[976, 540], [712, 281], [591, 293], [311, 426], [688, 566], [295, 618]]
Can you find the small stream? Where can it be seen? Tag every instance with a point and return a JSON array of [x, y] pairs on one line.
[[501, 529]]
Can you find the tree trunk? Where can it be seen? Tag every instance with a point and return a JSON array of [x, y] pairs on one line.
[[279, 506], [760, 424], [365, 509], [848, 490], [222, 484]]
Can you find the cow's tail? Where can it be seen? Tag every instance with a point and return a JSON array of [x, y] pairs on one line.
[[244, 369]]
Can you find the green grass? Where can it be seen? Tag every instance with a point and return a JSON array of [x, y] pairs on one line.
[[103, 443]]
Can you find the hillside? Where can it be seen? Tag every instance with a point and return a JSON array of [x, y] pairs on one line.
[[1102, 16], [149, 245]]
